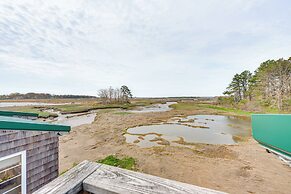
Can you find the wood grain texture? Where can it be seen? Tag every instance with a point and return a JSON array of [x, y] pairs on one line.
[[107, 179], [71, 181]]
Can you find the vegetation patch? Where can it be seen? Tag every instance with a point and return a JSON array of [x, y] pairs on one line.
[[81, 108], [237, 138], [160, 141], [183, 142], [136, 141], [85, 107], [201, 106], [42, 114], [225, 109], [145, 134], [184, 106], [196, 126], [126, 162], [269, 84]]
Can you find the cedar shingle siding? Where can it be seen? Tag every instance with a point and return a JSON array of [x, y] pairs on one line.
[[41, 152]]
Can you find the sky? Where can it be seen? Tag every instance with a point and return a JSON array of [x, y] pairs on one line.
[[155, 47]]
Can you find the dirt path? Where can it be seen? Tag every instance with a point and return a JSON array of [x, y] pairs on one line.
[[243, 168]]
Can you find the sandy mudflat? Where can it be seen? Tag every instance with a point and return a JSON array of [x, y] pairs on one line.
[[243, 168]]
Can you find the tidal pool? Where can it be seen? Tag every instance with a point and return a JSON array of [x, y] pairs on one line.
[[73, 120], [155, 108], [208, 129], [77, 120]]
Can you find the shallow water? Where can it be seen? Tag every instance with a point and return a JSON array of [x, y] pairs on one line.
[[77, 120], [155, 108], [146, 142], [208, 129], [221, 124], [73, 120]]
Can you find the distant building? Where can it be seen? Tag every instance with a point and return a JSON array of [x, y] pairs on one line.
[[28, 152]]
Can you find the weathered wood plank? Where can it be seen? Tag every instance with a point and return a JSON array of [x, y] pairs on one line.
[[108, 180], [71, 181]]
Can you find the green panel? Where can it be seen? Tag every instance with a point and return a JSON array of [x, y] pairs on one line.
[[11, 114], [273, 131], [11, 123]]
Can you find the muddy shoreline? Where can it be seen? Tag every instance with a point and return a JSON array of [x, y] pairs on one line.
[[242, 168]]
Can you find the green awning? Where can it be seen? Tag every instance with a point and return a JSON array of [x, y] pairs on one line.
[[12, 123]]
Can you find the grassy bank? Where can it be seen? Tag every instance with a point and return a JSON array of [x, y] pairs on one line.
[[29, 109], [75, 106], [199, 106], [184, 106], [225, 109], [85, 107]]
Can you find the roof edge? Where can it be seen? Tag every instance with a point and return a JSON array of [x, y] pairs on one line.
[[19, 114]]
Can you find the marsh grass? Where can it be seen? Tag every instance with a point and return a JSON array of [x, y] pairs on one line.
[[200, 106], [85, 107], [126, 162], [42, 114], [184, 106], [225, 109]]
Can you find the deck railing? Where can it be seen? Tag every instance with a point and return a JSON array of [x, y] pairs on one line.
[[99, 178]]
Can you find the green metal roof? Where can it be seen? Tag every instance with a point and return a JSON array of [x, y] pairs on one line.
[[12, 123], [11, 114]]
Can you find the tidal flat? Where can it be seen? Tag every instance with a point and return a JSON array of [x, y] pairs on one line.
[[243, 167]]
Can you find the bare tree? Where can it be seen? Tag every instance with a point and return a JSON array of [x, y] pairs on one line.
[[118, 95]]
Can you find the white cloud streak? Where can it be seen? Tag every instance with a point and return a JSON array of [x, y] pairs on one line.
[[158, 47]]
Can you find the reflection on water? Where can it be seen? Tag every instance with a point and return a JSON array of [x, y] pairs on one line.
[[221, 124], [209, 129], [155, 108]]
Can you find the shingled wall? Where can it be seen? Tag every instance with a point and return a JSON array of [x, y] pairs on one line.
[[41, 152]]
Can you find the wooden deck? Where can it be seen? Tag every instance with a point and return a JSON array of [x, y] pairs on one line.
[[90, 177]]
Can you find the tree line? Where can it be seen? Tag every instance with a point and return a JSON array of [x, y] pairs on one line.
[[117, 95], [31, 95], [270, 84]]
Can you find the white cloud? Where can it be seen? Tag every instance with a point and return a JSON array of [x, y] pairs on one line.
[[158, 48]]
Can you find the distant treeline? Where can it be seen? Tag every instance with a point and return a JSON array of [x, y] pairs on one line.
[[269, 85], [18, 96]]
